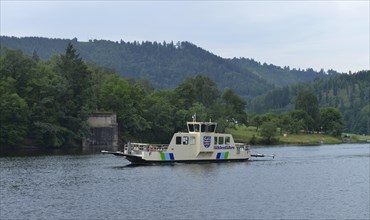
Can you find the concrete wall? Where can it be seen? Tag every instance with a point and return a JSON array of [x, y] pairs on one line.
[[102, 120], [103, 131]]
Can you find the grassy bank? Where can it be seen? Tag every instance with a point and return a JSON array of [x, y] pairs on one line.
[[245, 134], [356, 138]]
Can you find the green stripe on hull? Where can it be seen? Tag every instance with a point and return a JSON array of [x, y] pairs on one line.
[[226, 155], [163, 157]]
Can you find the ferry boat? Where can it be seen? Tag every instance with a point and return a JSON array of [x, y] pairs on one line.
[[200, 143]]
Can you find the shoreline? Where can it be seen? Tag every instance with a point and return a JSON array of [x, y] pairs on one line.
[[246, 134]]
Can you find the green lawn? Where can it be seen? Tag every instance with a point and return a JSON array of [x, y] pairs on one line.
[[244, 134], [309, 139], [356, 138]]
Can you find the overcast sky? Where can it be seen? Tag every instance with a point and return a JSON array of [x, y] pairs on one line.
[[299, 34]]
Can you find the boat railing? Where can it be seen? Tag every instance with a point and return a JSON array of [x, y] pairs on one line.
[[138, 148], [243, 146]]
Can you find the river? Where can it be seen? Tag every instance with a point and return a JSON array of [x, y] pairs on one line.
[[302, 182]]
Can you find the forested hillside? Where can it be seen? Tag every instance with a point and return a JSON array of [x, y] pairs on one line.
[[279, 76], [166, 65], [47, 103], [350, 93]]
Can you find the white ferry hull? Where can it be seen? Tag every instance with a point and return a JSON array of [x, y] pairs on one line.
[[136, 159], [140, 161], [200, 144]]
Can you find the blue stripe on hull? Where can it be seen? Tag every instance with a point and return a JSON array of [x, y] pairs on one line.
[[167, 155], [221, 156], [218, 155]]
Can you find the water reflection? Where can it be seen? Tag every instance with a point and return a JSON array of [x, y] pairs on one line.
[[25, 151]]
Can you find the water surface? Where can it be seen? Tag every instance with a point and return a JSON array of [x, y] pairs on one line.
[[302, 182]]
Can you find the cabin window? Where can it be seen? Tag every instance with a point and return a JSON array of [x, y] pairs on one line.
[[192, 140], [178, 140], [203, 128], [208, 128], [196, 127], [215, 140], [191, 127], [185, 140], [221, 140], [227, 140]]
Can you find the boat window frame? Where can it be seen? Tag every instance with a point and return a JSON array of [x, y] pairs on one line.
[[227, 140], [221, 140], [178, 140], [192, 140], [185, 140], [203, 128]]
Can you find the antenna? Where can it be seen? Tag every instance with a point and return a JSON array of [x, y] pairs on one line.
[[194, 117]]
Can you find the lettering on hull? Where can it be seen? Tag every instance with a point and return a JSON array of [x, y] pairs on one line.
[[223, 147]]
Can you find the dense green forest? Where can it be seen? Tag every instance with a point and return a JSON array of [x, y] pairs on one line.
[[279, 76], [167, 64], [47, 103], [350, 93]]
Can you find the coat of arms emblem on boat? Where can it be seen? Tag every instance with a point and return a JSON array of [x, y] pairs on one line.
[[206, 141]]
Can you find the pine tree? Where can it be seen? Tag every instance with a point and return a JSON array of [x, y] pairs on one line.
[[79, 97]]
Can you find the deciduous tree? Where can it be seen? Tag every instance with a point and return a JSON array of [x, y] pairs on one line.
[[307, 102], [331, 121], [268, 131]]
